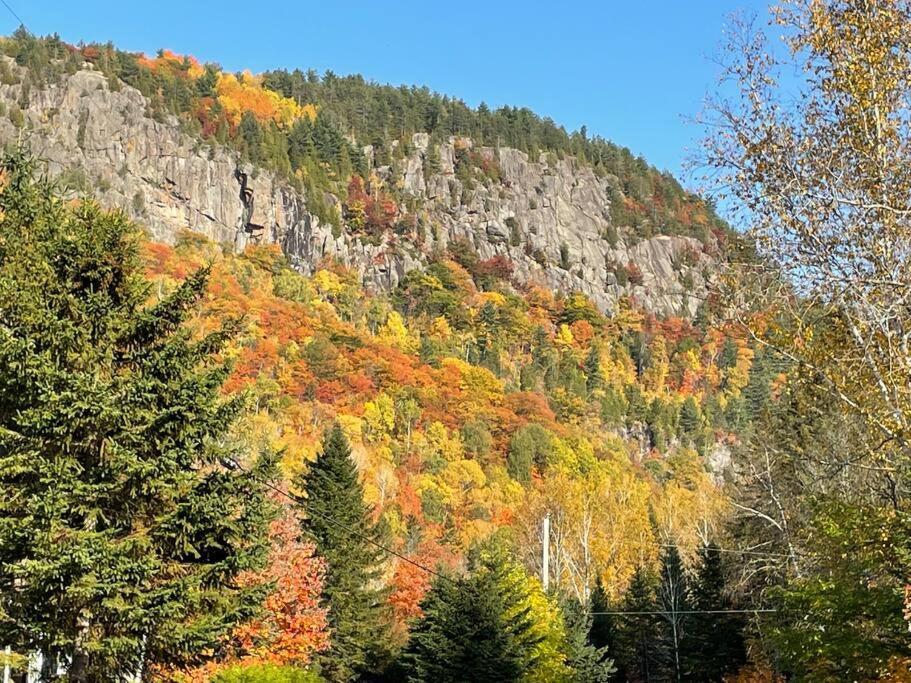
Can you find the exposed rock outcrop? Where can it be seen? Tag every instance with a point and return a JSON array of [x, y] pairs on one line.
[[550, 217]]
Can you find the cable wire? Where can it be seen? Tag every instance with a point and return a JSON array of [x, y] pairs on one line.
[[297, 499], [733, 551], [686, 611], [16, 16]]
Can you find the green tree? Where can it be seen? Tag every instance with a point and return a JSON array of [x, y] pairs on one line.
[[473, 628], [431, 159], [590, 663], [121, 529], [338, 520], [532, 445], [690, 417], [593, 377], [639, 652], [250, 137], [842, 620], [713, 644], [602, 632]]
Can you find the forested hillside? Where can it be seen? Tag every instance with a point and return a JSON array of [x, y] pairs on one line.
[[304, 378], [472, 408]]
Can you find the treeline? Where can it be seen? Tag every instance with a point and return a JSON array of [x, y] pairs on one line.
[[312, 129], [381, 115]]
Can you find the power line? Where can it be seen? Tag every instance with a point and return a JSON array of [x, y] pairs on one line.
[[354, 532], [685, 611], [15, 16], [297, 499], [733, 551]]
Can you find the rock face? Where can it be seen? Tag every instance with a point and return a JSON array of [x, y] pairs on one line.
[[550, 217]]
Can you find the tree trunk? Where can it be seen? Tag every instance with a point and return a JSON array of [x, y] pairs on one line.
[[78, 670]]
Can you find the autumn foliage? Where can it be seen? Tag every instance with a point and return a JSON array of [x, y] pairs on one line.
[[369, 208], [432, 400], [292, 626], [242, 94]]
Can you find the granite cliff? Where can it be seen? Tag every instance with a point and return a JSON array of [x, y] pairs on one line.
[[551, 217]]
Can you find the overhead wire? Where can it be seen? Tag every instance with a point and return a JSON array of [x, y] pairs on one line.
[[233, 464], [16, 16]]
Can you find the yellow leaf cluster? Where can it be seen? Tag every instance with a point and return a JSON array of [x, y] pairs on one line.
[[238, 95]]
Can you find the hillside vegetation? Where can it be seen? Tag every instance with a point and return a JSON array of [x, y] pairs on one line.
[[471, 408], [215, 467]]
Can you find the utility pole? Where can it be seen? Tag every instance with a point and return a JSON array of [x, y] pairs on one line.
[[545, 552]]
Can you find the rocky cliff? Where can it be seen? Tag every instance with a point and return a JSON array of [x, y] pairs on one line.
[[550, 217]]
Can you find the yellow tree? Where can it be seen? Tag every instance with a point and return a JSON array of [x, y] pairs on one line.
[[824, 178], [814, 146], [599, 526]]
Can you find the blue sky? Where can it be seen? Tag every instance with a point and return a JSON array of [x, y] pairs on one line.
[[630, 71]]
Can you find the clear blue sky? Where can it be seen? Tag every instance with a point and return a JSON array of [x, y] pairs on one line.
[[631, 71]]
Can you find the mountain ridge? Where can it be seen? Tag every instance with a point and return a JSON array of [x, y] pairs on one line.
[[384, 209]]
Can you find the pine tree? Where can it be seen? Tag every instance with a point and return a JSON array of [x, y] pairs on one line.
[[121, 530], [714, 644], [593, 378], [590, 662], [689, 417], [338, 521], [473, 628], [638, 634]]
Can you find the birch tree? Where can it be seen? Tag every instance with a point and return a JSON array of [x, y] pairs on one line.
[[811, 141]]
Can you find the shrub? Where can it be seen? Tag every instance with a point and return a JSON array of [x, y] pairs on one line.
[[634, 274]]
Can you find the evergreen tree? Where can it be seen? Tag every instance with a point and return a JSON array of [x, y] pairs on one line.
[[250, 135], [590, 663], [432, 164], [638, 633], [339, 523], [475, 628], [689, 417], [593, 378], [121, 530], [602, 628], [602, 633], [714, 644]]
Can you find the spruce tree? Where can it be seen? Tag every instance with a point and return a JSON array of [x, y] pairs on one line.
[[473, 628], [590, 663], [602, 632], [593, 378], [121, 530], [338, 521], [639, 653], [714, 644]]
